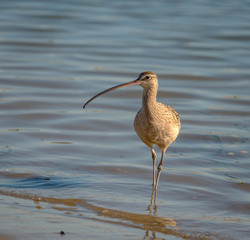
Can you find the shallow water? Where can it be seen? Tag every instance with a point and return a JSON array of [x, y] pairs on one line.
[[85, 172]]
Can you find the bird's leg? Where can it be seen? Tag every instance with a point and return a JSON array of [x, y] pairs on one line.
[[153, 201], [154, 160], [154, 190], [159, 169]]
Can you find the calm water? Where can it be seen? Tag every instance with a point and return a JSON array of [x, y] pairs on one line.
[[85, 172]]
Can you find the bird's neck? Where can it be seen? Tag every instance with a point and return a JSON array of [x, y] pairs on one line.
[[149, 100]]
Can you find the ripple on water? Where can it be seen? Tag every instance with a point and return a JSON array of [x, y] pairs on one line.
[[88, 167]]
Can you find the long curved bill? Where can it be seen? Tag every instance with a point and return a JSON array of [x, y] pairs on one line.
[[135, 82]]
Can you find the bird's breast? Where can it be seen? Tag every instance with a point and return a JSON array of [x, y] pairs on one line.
[[159, 128]]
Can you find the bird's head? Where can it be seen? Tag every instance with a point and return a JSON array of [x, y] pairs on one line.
[[147, 80]]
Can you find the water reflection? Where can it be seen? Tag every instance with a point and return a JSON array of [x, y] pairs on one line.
[[153, 202], [152, 237], [152, 223], [56, 53]]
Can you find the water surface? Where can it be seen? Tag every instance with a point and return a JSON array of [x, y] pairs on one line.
[[85, 172]]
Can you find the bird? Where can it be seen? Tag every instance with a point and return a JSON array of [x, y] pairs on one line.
[[155, 123]]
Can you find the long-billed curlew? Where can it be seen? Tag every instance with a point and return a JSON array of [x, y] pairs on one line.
[[155, 123]]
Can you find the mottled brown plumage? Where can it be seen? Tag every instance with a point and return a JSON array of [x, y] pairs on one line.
[[155, 123]]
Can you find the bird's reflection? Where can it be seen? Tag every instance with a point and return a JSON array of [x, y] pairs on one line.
[[153, 202], [152, 237]]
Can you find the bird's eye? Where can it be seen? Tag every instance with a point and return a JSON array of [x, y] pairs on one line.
[[147, 77]]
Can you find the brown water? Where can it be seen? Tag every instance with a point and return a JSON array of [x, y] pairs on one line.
[[85, 172]]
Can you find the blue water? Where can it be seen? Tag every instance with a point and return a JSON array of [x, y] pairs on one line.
[[87, 169]]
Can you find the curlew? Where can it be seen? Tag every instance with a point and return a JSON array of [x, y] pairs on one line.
[[155, 123]]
